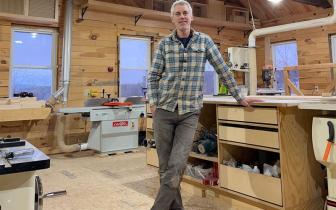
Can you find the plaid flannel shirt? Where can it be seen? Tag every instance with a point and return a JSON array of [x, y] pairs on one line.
[[177, 74]]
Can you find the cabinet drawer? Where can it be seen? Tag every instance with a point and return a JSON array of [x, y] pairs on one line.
[[149, 123], [256, 185], [249, 136], [258, 115], [152, 157]]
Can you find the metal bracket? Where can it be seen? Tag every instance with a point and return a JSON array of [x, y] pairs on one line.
[[219, 29], [83, 11], [136, 19]]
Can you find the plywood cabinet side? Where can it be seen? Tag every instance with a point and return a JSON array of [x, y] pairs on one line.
[[302, 176]]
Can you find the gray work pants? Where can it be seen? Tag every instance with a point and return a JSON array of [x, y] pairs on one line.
[[173, 134]]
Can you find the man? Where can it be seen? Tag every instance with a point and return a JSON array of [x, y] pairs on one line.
[[175, 92]]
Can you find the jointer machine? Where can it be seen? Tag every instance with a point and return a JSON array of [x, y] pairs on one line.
[[114, 125]]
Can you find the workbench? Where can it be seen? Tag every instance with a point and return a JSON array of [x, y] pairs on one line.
[[18, 186], [275, 129]]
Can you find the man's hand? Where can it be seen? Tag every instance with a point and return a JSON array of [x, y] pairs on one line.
[[247, 102], [153, 109]]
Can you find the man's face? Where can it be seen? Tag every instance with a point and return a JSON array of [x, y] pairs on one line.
[[182, 17]]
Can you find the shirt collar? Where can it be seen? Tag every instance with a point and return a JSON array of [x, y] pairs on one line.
[[194, 33]]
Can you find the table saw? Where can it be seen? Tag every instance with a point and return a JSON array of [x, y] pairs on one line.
[[20, 188]]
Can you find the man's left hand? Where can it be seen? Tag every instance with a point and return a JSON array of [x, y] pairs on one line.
[[247, 102]]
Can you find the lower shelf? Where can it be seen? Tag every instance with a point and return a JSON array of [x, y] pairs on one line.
[[255, 185]]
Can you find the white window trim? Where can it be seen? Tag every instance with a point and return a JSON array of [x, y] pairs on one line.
[[148, 60], [53, 66]]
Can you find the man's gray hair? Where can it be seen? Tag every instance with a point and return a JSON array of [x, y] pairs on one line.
[[180, 2]]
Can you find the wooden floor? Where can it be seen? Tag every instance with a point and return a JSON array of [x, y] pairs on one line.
[[96, 182]]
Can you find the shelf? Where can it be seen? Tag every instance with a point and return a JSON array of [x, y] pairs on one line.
[[190, 178], [203, 157], [241, 70], [249, 146], [7, 115], [269, 188], [156, 15], [28, 19], [150, 130], [218, 189]]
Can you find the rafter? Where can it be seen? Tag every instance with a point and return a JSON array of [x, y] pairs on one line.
[[318, 3]]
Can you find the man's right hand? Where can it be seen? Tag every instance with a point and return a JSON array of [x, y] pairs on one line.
[[153, 109]]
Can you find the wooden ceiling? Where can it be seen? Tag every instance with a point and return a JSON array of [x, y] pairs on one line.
[[287, 11], [268, 13]]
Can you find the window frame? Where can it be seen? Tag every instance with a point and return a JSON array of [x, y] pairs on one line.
[[274, 55], [53, 66], [333, 47], [149, 60]]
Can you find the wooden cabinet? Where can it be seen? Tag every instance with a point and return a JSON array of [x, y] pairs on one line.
[[266, 134], [269, 134]]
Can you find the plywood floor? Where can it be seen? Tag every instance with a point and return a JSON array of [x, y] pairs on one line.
[[95, 182]]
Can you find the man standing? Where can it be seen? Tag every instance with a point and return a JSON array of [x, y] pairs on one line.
[[175, 92]]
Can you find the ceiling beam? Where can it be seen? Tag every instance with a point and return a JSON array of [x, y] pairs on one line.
[[318, 3]]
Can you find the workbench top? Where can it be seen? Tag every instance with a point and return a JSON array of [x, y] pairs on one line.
[[303, 102], [37, 161]]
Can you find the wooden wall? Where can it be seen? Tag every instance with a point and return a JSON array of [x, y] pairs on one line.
[[5, 40], [89, 68], [313, 48], [91, 58]]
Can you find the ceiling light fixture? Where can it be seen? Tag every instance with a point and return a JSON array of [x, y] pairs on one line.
[[275, 1]]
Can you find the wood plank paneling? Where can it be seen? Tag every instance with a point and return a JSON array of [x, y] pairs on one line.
[[313, 46], [89, 67], [5, 37]]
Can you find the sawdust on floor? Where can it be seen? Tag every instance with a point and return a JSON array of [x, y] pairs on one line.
[[116, 182]]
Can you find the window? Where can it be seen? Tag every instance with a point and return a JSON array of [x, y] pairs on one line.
[[285, 54], [134, 58], [33, 62], [210, 80], [333, 48]]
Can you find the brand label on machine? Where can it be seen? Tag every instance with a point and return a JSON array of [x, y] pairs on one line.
[[120, 124]]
